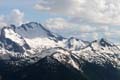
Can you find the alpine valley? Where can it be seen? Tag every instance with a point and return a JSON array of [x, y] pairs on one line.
[[32, 52]]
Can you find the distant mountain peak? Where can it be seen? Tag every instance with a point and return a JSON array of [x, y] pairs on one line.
[[31, 43], [31, 25], [12, 41], [37, 41], [75, 43], [37, 30], [104, 42]]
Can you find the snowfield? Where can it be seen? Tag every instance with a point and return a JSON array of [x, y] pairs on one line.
[[33, 40]]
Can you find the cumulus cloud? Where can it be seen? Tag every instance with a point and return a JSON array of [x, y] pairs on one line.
[[61, 23], [2, 21], [95, 35], [92, 11], [15, 17], [87, 29], [58, 23], [108, 34]]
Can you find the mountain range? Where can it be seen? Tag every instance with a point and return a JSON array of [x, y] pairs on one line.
[[33, 52]]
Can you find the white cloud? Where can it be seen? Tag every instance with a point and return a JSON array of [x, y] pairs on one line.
[[15, 17], [41, 7], [58, 23], [83, 35], [87, 29], [94, 11], [108, 34], [2, 21], [95, 36], [83, 31], [61, 23]]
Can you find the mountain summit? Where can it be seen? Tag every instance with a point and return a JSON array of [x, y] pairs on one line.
[[12, 41], [31, 43], [34, 30]]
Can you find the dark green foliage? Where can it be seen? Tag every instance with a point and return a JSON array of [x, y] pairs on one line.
[[97, 72], [45, 69], [49, 69]]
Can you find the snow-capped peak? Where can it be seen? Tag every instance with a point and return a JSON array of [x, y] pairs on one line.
[[34, 30], [100, 52], [38, 36], [75, 44], [12, 41], [7, 32], [104, 45], [37, 41], [104, 42]]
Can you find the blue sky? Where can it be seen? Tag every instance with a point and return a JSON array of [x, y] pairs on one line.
[[25, 6], [99, 18]]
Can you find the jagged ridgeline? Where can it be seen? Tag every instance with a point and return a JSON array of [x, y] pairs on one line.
[[32, 52]]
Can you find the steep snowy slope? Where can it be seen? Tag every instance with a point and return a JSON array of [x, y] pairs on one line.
[[75, 44], [62, 55], [30, 39], [33, 40], [100, 52], [38, 36], [12, 41]]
